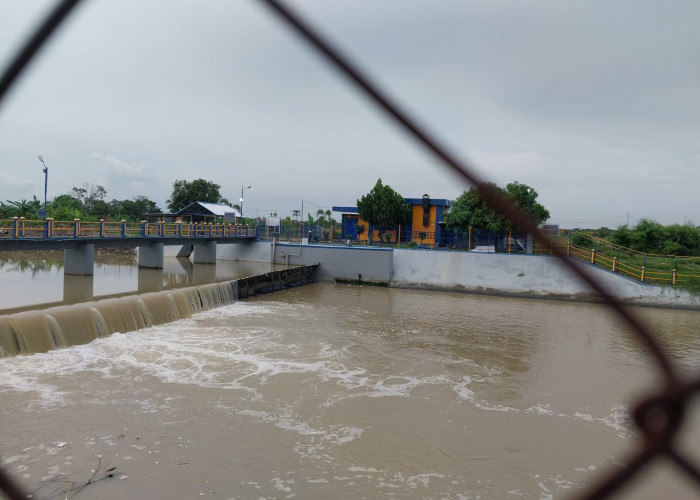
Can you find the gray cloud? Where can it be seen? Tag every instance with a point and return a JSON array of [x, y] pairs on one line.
[[593, 103]]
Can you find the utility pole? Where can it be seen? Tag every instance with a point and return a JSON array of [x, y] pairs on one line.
[[46, 181]]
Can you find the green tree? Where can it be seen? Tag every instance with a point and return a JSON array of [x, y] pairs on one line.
[[648, 236], [132, 210], [525, 198], [185, 192], [320, 217], [65, 207], [471, 210], [23, 208], [91, 197], [682, 239], [622, 236], [383, 207]]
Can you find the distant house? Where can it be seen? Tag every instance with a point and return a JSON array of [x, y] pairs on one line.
[[425, 226], [550, 229], [202, 211]]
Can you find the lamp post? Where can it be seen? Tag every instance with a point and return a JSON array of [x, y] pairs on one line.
[[46, 181], [530, 242], [241, 200]]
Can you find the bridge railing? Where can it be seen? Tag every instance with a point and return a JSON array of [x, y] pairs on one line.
[[20, 228]]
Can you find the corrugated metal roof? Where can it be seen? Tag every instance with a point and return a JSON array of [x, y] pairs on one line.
[[206, 208], [218, 209]]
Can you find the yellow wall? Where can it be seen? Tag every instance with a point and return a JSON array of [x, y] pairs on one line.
[[363, 236], [376, 236], [417, 222]]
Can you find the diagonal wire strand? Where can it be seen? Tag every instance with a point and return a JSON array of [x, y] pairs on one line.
[[34, 44]]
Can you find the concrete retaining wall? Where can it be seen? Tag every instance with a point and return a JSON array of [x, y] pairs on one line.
[[493, 273], [525, 275], [363, 264]]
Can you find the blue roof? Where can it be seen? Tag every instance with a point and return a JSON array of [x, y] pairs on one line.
[[352, 210], [442, 202], [433, 201]]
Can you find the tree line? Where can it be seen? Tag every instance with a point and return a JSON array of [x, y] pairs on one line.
[[647, 236], [88, 202], [85, 203], [384, 208]]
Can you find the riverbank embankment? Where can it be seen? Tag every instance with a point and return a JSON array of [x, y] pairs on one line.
[[533, 276]]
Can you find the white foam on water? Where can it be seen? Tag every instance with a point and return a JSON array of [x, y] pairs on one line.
[[396, 386], [201, 351], [617, 419], [540, 409], [545, 493], [219, 349], [282, 484], [463, 390], [210, 350], [22, 377]]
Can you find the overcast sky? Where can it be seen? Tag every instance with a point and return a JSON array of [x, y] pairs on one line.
[[594, 103]]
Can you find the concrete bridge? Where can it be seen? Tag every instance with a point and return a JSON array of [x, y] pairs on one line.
[[79, 239]]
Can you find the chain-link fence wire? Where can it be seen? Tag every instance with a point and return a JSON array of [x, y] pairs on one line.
[[659, 417]]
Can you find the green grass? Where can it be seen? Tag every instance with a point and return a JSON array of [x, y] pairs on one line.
[[658, 269]]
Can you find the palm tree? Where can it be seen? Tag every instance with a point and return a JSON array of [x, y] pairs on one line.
[[320, 217], [24, 208]]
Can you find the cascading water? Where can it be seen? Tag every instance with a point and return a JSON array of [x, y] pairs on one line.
[[43, 330]]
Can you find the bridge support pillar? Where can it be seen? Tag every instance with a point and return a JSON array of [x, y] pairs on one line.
[[151, 255], [205, 253], [185, 251], [79, 260]]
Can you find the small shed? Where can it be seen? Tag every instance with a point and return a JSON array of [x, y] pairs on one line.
[[202, 211]]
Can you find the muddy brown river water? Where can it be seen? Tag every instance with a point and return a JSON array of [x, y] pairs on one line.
[[344, 391]]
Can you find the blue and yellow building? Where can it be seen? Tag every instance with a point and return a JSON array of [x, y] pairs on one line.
[[425, 226]]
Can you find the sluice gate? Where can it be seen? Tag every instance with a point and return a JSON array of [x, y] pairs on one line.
[[62, 326], [276, 280]]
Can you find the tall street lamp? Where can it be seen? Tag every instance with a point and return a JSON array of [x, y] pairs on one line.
[[241, 200], [46, 181], [530, 241]]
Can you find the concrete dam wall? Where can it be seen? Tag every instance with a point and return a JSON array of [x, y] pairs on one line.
[[538, 276]]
